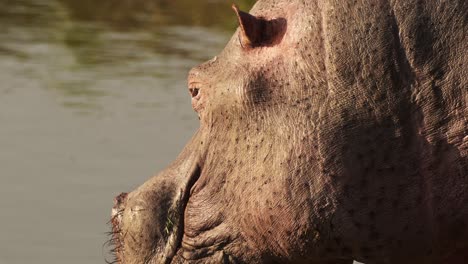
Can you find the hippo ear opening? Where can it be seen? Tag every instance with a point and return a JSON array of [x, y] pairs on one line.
[[255, 31]]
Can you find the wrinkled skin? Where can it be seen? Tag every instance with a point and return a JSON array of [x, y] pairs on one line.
[[342, 137]]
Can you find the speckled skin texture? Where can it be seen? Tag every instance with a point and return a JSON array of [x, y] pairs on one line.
[[345, 138]]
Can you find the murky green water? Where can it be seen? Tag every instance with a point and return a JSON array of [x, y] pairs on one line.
[[93, 101]]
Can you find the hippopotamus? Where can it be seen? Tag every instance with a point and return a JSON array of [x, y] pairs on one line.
[[330, 131]]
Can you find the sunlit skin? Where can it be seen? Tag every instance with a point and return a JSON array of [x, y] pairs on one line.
[[329, 131]]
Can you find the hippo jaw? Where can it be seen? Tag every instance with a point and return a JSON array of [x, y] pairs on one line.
[[148, 223]]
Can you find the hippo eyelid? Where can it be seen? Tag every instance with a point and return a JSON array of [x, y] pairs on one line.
[[194, 84]]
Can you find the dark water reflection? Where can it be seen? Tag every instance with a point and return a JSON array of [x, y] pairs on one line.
[[93, 101]]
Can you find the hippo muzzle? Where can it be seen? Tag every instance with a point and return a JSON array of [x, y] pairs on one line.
[[147, 223]]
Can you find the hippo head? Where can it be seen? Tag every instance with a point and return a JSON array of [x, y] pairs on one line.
[[305, 146], [227, 196]]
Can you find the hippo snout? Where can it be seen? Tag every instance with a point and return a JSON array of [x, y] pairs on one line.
[[147, 223], [116, 221], [119, 204]]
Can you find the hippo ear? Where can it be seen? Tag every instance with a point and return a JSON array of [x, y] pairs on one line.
[[250, 28], [257, 31]]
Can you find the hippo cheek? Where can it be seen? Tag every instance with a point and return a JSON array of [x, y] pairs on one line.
[[147, 224]]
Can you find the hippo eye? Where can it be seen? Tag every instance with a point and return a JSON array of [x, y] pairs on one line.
[[194, 91]]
